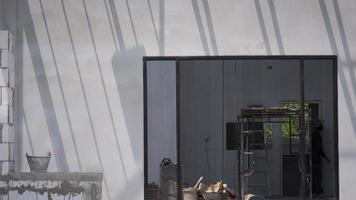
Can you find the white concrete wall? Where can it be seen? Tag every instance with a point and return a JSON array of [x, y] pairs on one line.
[[80, 70]]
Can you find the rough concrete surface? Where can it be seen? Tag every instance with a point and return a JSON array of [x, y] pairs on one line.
[[84, 186]]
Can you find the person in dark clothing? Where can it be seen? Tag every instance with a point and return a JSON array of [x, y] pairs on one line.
[[317, 155]]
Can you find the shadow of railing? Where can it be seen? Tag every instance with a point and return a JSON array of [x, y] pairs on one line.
[[107, 102], [262, 25], [24, 118], [93, 132], [210, 27], [68, 119], [131, 21], [44, 91], [276, 27], [347, 56], [199, 22]]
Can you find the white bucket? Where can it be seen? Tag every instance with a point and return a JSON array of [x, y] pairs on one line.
[[189, 194]]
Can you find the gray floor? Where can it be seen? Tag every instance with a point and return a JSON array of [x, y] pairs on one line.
[[297, 198]]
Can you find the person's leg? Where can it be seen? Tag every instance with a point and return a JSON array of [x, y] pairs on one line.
[[317, 179]]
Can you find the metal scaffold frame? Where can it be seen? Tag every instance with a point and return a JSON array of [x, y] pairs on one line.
[[262, 115]]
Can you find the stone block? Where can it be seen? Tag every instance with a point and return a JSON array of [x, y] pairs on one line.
[[6, 41], [11, 115], [6, 96], [4, 77], [12, 79], [8, 167], [4, 168], [7, 133], [11, 155], [4, 114], [4, 152], [7, 59]]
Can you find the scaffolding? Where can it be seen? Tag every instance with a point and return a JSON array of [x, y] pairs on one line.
[[249, 124]]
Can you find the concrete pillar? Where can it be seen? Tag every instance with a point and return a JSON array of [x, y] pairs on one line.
[[7, 131]]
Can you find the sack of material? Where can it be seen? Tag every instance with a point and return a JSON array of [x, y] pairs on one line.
[[168, 180]]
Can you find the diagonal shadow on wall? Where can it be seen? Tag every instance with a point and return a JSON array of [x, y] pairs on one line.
[[115, 18], [153, 21], [44, 91], [28, 133], [127, 68], [61, 86], [19, 93], [161, 27], [160, 33], [85, 98], [109, 108], [348, 61], [263, 27], [277, 30], [210, 27], [199, 22], [131, 21]]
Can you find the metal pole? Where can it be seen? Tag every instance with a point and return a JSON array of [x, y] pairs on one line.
[[145, 129], [179, 168], [290, 134], [302, 132], [241, 161]]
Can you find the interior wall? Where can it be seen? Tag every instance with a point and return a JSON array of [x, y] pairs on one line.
[[205, 107], [201, 119], [161, 115], [319, 88]]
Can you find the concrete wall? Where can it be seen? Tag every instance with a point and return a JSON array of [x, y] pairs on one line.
[[80, 70]]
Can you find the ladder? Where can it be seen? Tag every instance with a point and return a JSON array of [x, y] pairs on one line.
[[256, 155]]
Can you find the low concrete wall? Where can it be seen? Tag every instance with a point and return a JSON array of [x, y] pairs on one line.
[[51, 186]]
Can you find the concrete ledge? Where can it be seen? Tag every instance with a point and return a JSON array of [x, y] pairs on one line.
[[52, 176], [51, 186]]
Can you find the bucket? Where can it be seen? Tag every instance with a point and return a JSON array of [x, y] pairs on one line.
[[38, 163], [189, 194]]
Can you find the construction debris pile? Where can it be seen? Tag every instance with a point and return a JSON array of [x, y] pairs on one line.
[[167, 189], [201, 191]]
